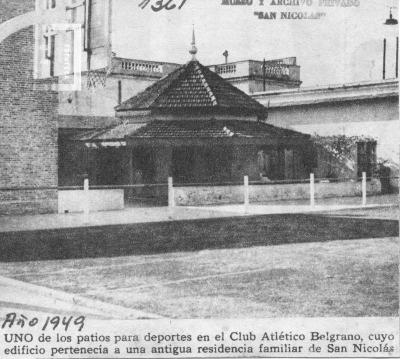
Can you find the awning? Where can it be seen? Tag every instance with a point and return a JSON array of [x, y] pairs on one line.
[[110, 137], [212, 129], [185, 130]]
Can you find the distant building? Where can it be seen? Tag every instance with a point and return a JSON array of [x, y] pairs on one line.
[[255, 76], [369, 109], [53, 48]]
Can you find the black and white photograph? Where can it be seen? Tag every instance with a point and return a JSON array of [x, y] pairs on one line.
[[198, 159]]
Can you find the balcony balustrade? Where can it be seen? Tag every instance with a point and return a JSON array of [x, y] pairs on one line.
[[142, 67], [283, 69]]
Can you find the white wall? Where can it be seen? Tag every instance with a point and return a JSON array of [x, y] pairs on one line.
[[201, 195], [100, 101], [99, 200], [377, 118]]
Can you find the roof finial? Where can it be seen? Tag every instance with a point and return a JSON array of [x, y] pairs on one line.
[[193, 50], [391, 20]]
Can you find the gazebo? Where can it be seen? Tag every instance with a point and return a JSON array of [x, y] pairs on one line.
[[194, 126]]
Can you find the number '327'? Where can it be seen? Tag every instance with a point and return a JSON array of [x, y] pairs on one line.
[[158, 5]]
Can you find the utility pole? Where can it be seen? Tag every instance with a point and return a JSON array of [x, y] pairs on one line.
[[88, 23], [226, 54], [391, 21], [264, 67], [384, 59], [397, 57]]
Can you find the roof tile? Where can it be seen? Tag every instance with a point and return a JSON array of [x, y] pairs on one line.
[[192, 86], [191, 129]]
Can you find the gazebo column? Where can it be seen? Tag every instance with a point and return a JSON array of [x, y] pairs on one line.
[[245, 162], [300, 169], [129, 174], [281, 163], [289, 163], [130, 178], [163, 168], [163, 163], [200, 165], [93, 165], [238, 166]]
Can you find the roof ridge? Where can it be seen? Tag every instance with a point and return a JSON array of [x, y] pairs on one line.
[[183, 70], [156, 85], [210, 92], [206, 68], [237, 90]]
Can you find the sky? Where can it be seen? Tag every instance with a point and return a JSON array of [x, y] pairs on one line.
[[344, 46]]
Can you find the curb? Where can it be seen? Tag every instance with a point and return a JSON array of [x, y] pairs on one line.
[[86, 305]]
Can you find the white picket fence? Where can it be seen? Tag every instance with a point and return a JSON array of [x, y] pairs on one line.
[[85, 195]]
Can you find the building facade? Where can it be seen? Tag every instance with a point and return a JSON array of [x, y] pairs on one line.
[[253, 76], [366, 109], [28, 124]]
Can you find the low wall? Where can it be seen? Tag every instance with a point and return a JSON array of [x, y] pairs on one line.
[[99, 200], [204, 195]]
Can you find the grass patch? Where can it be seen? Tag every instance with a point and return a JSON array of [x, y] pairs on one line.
[[191, 235]]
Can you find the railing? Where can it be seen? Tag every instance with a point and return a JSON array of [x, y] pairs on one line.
[[225, 69], [141, 66], [276, 71], [273, 70], [292, 61], [138, 67]]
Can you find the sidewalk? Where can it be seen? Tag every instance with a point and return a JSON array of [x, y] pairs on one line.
[[164, 214], [303, 206]]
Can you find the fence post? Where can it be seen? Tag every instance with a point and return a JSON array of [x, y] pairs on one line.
[[171, 193], [86, 201], [312, 190], [246, 192], [364, 189]]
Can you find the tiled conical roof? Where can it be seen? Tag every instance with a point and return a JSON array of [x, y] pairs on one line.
[[190, 87]]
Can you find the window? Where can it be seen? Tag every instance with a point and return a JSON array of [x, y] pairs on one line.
[[76, 11], [50, 41], [50, 4], [263, 161], [76, 15], [70, 48], [119, 92]]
